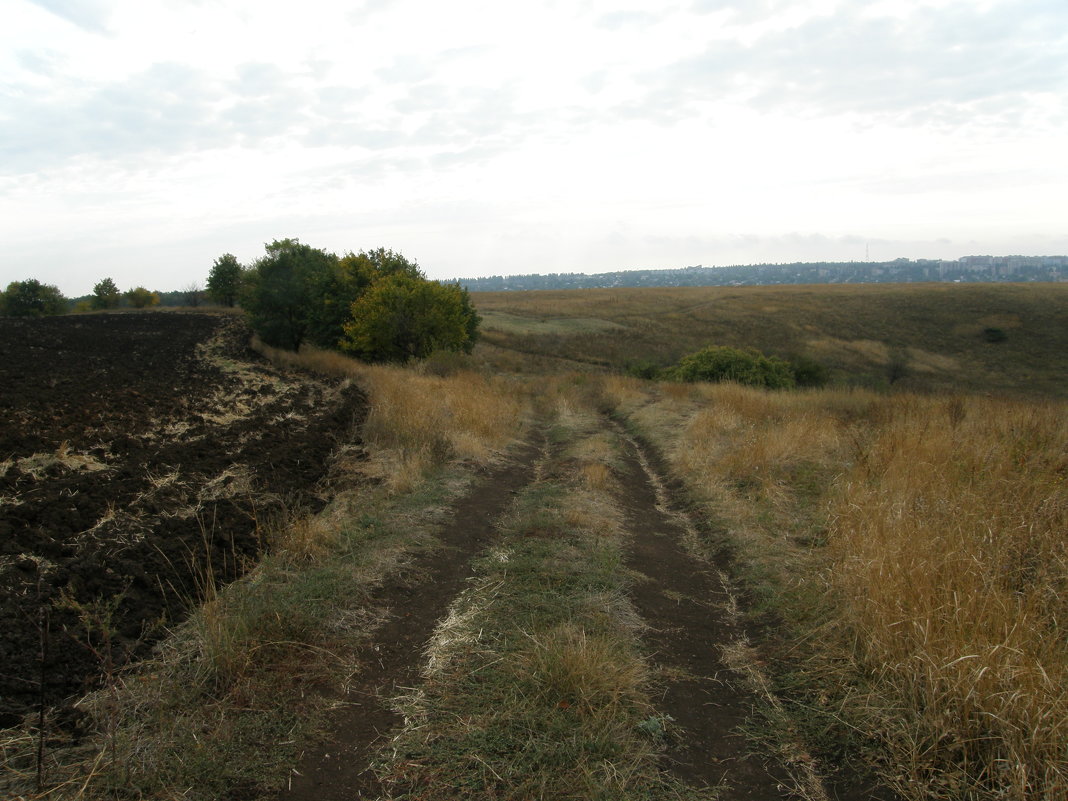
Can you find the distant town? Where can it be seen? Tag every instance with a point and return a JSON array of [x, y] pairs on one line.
[[967, 269]]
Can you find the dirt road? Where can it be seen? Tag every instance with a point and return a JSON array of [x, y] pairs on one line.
[[690, 622]]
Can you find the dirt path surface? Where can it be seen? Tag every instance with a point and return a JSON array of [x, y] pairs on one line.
[[337, 770], [686, 608]]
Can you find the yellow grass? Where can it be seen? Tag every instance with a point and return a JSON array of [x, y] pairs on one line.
[[948, 539], [946, 565], [417, 421]]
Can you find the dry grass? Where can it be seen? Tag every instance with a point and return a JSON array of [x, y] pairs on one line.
[[418, 421], [948, 539], [945, 571], [930, 334]]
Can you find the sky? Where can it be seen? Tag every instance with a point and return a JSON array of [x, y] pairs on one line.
[[142, 139]]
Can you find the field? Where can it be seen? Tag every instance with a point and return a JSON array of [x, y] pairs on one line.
[[921, 337], [141, 457], [524, 574]]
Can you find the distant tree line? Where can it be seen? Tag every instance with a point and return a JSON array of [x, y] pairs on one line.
[[966, 270], [31, 298]]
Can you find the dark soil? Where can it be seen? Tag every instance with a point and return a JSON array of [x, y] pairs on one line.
[[141, 456], [685, 608], [683, 602], [338, 770]]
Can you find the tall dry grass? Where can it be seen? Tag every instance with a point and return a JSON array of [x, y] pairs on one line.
[[948, 539], [945, 566], [417, 420]]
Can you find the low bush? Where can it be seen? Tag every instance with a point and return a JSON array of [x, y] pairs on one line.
[[748, 366]]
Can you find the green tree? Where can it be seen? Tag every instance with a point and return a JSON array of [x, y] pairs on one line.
[[224, 280], [748, 366], [31, 298], [403, 316], [106, 295], [338, 289], [141, 298], [285, 292]]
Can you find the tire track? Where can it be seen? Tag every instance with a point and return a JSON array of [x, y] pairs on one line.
[[694, 624], [338, 770]]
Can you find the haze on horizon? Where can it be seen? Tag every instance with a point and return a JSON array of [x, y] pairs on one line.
[[141, 139]]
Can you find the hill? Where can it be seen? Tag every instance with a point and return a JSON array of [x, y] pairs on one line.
[[1001, 338]]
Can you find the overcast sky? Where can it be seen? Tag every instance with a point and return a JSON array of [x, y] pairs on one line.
[[141, 139]]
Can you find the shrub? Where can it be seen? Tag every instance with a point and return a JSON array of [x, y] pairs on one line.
[[224, 280], [808, 372], [643, 368], [284, 295], [720, 363], [995, 334], [141, 298], [402, 317]]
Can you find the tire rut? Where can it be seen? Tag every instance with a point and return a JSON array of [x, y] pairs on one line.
[[689, 613], [339, 768]]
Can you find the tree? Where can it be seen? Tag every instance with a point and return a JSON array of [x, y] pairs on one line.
[[191, 294], [337, 289], [224, 280], [284, 296], [141, 298], [31, 298], [106, 295], [403, 316]]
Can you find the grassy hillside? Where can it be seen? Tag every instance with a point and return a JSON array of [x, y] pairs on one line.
[[926, 337]]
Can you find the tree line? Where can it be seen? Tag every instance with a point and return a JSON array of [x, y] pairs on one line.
[[377, 304], [31, 298]]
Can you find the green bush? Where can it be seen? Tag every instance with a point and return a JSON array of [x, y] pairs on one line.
[[376, 304], [403, 317], [995, 335], [721, 363], [643, 368], [141, 298], [106, 295], [808, 372]]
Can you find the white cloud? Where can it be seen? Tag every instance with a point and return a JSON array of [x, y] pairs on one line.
[[487, 137]]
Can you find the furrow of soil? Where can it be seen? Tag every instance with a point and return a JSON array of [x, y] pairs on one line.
[[339, 767], [686, 609]]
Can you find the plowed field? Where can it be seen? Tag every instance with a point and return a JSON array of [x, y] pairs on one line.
[[140, 457]]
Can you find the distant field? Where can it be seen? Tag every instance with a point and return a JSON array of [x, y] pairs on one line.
[[1002, 338]]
